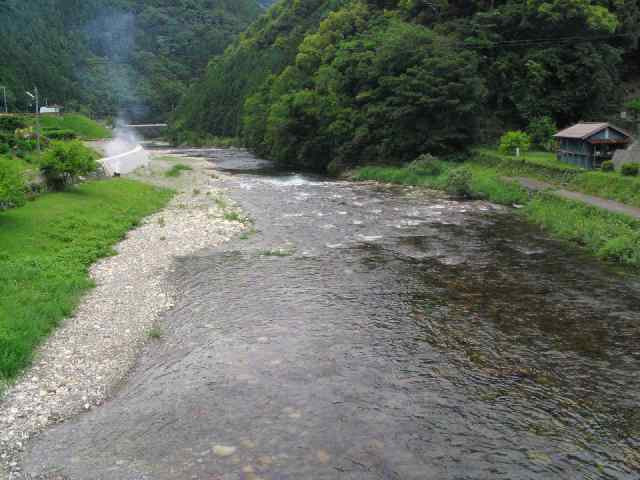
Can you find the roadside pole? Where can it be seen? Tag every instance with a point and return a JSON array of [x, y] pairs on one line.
[[36, 96], [38, 121]]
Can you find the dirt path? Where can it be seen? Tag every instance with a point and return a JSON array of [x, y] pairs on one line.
[[610, 205]]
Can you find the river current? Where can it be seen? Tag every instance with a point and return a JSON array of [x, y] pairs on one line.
[[359, 331]]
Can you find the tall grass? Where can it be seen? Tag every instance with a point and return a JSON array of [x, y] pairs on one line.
[[544, 166], [46, 248], [610, 236]]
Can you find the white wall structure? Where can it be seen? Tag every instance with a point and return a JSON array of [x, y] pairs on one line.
[[630, 155], [50, 109], [126, 162]]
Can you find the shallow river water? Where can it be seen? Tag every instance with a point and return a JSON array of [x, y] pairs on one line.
[[368, 332]]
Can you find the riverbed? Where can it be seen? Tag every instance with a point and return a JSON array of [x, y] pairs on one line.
[[363, 331]]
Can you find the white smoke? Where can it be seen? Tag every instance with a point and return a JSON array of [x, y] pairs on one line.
[[124, 139]]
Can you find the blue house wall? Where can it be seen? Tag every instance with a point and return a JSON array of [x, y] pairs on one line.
[[578, 152], [582, 152]]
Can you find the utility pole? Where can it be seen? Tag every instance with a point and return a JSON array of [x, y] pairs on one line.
[[35, 96]]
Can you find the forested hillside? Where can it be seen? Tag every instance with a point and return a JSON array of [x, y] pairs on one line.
[[109, 56], [384, 80]]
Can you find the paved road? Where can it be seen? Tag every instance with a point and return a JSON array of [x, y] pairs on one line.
[[610, 205]]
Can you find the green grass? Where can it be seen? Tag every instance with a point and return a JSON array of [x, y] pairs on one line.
[[542, 159], [611, 185], [155, 333], [399, 175], [46, 248], [609, 236], [544, 166], [177, 170], [84, 127], [21, 163]]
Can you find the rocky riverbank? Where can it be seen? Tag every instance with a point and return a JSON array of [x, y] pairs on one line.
[[86, 358]]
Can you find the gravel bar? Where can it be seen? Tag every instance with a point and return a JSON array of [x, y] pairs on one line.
[[86, 358]]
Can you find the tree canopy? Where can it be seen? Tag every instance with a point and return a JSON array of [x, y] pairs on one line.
[[385, 80]]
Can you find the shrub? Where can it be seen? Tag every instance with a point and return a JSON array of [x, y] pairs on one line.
[[64, 162], [12, 185], [630, 169], [23, 147], [541, 131], [459, 183], [11, 124], [426, 164], [61, 134], [634, 107], [511, 141], [608, 166]]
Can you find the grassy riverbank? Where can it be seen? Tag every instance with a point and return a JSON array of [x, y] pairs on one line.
[[83, 127], [544, 166], [609, 236], [46, 249]]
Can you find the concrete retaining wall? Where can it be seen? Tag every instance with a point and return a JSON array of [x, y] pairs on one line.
[[630, 155], [126, 162]]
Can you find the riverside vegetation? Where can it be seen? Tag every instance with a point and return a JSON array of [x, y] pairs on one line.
[[333, 84], [47, 245], [46, 248], [610, 236]]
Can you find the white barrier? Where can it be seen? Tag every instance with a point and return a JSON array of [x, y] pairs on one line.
[[126, 162]]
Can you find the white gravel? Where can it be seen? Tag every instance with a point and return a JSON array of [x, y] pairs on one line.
[[85, 359]]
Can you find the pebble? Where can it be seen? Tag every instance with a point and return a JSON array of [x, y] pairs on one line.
[[247, 444], [323, 456], [264, 461], [223, 450]]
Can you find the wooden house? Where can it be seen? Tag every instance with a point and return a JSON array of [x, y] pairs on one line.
[[589, 144]]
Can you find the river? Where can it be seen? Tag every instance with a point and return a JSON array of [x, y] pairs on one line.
[[359, 331]]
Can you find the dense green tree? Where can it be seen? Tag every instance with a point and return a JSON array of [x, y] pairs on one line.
[[366, 88], [367, 82], [215, 104]]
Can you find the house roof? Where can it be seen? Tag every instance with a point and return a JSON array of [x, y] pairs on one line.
[[585, 130]]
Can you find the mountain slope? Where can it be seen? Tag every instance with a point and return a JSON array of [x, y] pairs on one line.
[[214, 104], [109, 56]]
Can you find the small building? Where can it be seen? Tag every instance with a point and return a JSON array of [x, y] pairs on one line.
[[51, 109], [589, 144]]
